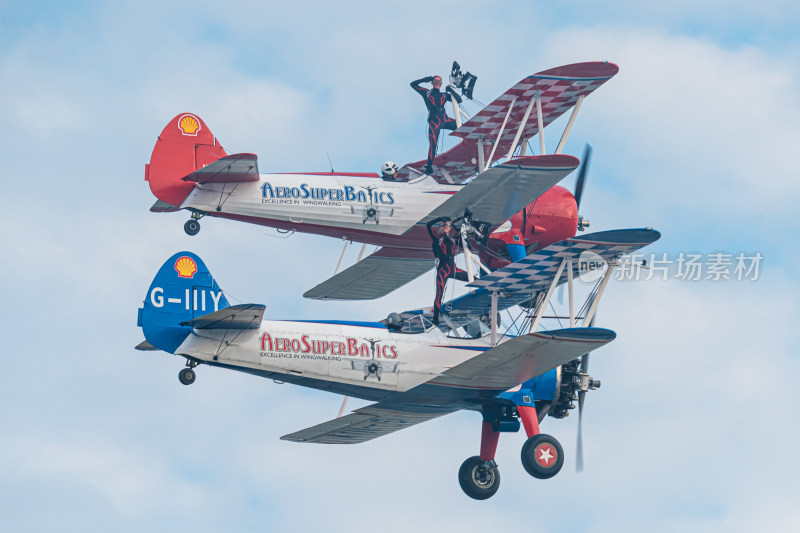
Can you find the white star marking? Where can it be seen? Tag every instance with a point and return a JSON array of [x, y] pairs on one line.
[[545, 455]]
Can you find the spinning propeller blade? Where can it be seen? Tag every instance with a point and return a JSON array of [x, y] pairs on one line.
[[579, 184], [584, 368]]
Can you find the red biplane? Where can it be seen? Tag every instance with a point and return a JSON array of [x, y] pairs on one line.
[[512, 204]]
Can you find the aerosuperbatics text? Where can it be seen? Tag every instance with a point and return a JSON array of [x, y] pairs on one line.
[[333, 350], [306, 195]]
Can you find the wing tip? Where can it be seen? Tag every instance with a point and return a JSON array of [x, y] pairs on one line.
[[580, 334], [588, 69]]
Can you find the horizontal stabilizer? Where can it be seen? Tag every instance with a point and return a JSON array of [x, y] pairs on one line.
[[523, 358], [163, 207], [145, 346], [499, 193], [374, 276], [243, 316], [235, 168], [361, 425]]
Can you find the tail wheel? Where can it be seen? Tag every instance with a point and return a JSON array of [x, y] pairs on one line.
[[192, 227], [187, 376], [479, 479], [542, 456]]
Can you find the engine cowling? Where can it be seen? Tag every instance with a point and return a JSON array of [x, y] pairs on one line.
[[550, 218]]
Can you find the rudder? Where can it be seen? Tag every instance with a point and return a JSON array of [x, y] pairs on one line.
[[184, 146], [182, 289]]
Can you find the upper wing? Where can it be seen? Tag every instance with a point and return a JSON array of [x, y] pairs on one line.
[[494, 197], [459, 163], [242, 316], [520, 281], [234, 168], [559, 89], [374, 276], [362, 425], [500, 192], [523, 358]]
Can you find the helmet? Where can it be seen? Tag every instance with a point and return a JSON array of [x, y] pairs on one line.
[[389, 169]]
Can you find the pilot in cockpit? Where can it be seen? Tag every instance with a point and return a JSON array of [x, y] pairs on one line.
[[389, 171]]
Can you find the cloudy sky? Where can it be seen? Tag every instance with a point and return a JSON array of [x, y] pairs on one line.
[[694, 428]]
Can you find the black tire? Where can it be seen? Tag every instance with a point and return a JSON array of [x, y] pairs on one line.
[[478, 480], [542, 456], [192, 227], [187, 376]]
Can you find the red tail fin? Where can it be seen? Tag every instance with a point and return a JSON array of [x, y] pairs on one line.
[[185, 145]]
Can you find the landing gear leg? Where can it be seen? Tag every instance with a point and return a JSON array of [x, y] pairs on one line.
[[478, 476]]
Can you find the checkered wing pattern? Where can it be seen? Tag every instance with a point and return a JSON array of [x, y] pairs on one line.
[[521, 281], [559, 89], [558, 96], [459, 163]]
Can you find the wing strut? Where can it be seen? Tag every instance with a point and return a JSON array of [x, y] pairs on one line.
[[500, 135], [540, 120], [592, 308], [543, 304], [493, 312], [346, 244], [520, 130], [569, 124], [457, 111], [571, 288]]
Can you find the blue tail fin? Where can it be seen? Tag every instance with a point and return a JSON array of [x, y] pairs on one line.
[[182, 290]]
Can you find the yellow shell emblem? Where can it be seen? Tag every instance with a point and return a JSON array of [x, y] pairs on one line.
[[189, 125], [185, 267]]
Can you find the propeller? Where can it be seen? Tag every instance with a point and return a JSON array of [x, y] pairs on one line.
[[581, 182], [581, 398], [584, 373]]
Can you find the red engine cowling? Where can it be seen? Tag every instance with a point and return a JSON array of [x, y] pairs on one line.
[[550, 218]]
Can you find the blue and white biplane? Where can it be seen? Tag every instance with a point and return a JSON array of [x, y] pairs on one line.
[[412, 370]]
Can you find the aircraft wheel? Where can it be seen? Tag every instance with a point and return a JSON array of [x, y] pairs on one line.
[[192, 227], [187, 376], [542, 456], [479, 479]]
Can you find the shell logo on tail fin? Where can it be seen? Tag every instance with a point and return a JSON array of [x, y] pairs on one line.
[[189, 125], [185, 267]]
